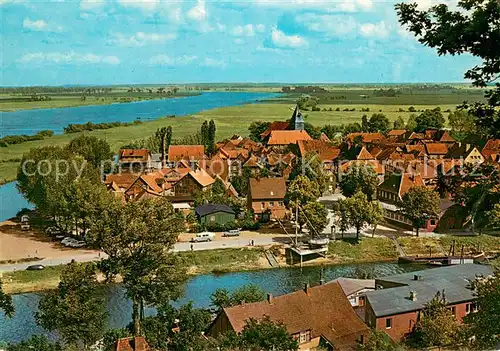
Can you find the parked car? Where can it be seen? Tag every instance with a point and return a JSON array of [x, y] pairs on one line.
[[35, 267], [204, 236], [76, 244], [233, 232]]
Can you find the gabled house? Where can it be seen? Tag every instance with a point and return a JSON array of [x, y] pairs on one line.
[[136, 343], [466, 152], [192, 182], [214, 214], [313, 316], [436, 150], [364, 137], [266, 198], [134, 159], [190, 153], [396, 304], [287, 137], [491, 151], [276, 125]]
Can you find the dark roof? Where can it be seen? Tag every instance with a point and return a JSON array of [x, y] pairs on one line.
[[453, 280], [323, 309], [203, 210]]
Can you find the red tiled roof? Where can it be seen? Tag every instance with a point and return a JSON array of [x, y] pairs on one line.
[[323, 309], [325, 151], [137, 343], [202, 177], [436, 148], [400, 183], [396, 132], [123, 180], [492, 148], [285, 137], [128, 155], [185, 152], [367, 137], [276, 125], [267, 188], [446, 137], [324, 137], [364, 155]]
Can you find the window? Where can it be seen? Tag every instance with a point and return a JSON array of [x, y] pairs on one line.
[[271, 204], [453, 310], [433, 222], [388, 323], [305, 336], [467, 308], [212, 218], [262, 205]]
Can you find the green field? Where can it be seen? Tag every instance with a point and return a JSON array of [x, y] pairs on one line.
[[229, 121]]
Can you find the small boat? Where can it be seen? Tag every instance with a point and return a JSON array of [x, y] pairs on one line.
[[319, 241]]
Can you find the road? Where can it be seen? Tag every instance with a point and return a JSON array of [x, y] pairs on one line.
[[223, 243]]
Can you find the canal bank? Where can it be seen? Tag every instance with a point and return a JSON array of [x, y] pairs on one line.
[[198, 290]]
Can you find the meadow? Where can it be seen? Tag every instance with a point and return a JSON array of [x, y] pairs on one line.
[[236, 119]]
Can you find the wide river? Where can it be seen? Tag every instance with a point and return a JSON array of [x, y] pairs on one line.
[[198, 289], [33, 121]]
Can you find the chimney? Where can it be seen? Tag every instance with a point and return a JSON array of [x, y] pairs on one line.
[[270, 298], [413, 295], [306, 288]]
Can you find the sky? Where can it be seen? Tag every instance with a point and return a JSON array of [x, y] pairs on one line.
[[106, 42]]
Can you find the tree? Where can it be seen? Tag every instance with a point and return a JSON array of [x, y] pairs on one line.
[[6, 304], [192, 323], [36, 342], [222, 298], [92, 149], [359, 178], [359, 212], [137, 237], [466, 30], [419, 205], [301, 191], [437, 326], [315, 215], [310, 166], [256, 129], [75, 310], [399, 123], [380, 341], [365, 124], [210, 147], [411, 124], [494, 216], [462, 124], [484, 324], [265, 334], [111, 336], [429, 119], [204, 133], [378, 123]]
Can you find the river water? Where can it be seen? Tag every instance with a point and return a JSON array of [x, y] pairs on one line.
[[198, 289], [33, 121]]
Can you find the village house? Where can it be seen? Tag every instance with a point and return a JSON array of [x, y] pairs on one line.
[[313, 316], [355, 289], [134, 159], [395, 306], [468, 153], [136, 343], [491, 151], [266, 198], [214, 214], [190, 153]]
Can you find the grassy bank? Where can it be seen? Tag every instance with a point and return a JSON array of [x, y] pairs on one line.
[[229, 120], [366, 250], [16, 102]]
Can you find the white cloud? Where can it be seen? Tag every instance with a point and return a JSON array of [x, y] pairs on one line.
[[282, 40], [260, 28], [172, 61], [145, 5], [210, 62], [91, 5], [377, 30], [318, 5], [40, 26], [330, 25], [68, 57], [140, 39], [247, 30], [198, 12]]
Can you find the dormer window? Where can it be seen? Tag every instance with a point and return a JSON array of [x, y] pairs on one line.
[[272, 193]]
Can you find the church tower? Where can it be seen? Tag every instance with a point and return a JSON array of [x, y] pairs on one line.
[[297, 119]]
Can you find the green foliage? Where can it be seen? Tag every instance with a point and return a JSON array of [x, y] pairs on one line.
[[462, 124], [92, 149], [484, 324], [311, 167], [378, 123], [36, 342], [111, 336], [313, 214], [256, 129], [301, 191], [19, 139], [430, 119], [467, 30], [358, 212], [137, 237], [75, 310], [6, 304], [313, 131], [419, 205], [494, 216], [359, 178], [380, 341], [437, 325], [411, 124], [222, 298], [89, 126], [265, 334], [399, 123]]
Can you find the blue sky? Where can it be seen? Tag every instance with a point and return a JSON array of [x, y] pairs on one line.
[[159, 41]]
